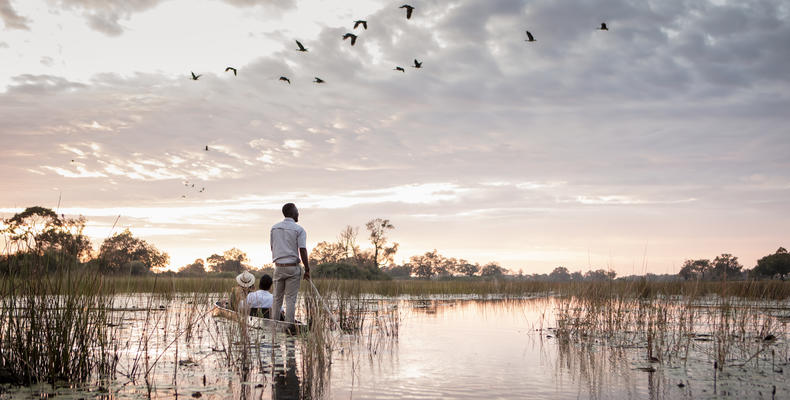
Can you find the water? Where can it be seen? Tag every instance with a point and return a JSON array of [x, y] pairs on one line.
[[450, 349]]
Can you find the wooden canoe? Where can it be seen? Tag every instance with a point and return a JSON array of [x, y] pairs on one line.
[[266, 324]]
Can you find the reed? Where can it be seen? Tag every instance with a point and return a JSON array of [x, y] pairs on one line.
[[56, 328], [728, 323]]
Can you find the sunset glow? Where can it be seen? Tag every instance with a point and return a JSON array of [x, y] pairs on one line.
[[662, 139]]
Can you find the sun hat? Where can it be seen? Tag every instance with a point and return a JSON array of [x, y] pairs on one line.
[[245, 279]]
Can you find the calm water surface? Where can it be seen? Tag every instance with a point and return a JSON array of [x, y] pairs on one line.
[[450, 349]]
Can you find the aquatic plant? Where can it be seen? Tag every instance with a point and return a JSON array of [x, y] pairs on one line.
[[57, 327]]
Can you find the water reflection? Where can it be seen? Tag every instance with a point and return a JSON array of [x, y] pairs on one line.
[[286, 381], [444, 348]]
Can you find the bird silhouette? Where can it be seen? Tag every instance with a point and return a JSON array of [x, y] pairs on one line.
[[529, 37], [284, 79], [318, 80], [361, 22], [409, 9], [194, 77], [206, 148], [399, 69], [417, 64], [603, 27], [301, 48], [72, 160], [352, 36], [231, 69]]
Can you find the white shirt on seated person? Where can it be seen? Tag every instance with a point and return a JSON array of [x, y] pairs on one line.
[[260, 299]]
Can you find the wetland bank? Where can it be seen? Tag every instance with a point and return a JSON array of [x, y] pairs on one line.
[[81, 335]]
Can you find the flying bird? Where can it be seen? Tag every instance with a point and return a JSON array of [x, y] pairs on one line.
[[529, 37], [603, 27], [284, 79], [417, 64], [318, 80], [409, 9], [399, 69], [231, 69], [362, 22], [352, 36], [195, 77], [301, 48]]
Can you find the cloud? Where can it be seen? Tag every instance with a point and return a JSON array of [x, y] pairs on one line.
[[673, 117], [105, 16], [29, 84], [11, 18]]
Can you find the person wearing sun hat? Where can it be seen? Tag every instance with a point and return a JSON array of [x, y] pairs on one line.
[[238, 295]]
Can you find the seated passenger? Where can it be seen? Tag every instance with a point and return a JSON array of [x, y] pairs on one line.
[[260, 301], [238, 295]]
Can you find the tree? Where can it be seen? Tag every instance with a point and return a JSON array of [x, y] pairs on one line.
[[347, 240], [726, 266], [381, 253], [427, 265], [600, 275], [560, 274], [68, 239], [695, 269], [325, 252], [197, 268], [233, 260], [777, 264], [119, 251], [445, 266], [398, 271], [466, 268], [39, 229], [492, 269]]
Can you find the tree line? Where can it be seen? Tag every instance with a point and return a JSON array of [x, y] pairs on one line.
[[39, 232]]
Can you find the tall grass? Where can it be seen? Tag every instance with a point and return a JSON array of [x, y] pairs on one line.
[[56, 327], [774, 290], [732, 324]]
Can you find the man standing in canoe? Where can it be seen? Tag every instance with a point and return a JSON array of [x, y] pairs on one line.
[[289, 244]]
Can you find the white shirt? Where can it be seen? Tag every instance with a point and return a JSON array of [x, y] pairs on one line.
[[286, 238], [260, 299]]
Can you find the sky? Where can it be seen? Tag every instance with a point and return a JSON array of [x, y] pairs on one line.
[[662, 139]]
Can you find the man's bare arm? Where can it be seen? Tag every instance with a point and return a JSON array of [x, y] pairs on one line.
[[305, 262]]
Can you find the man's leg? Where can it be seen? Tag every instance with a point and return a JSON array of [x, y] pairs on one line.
[[291, 291], [279, 292]]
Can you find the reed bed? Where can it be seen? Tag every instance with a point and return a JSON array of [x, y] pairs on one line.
[[736, 324], [57, 328], [502, 288]]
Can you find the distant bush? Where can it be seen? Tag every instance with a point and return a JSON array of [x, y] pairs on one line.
[[774, 265], [348, 271]]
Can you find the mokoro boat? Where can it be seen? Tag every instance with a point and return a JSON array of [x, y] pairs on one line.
[[221, 311]]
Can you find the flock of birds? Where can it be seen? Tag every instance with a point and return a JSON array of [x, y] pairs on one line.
[[353, 40]]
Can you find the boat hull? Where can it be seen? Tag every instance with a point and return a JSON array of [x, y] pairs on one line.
[[266, 324]]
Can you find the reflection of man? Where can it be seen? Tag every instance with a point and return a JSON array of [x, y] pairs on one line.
[[286, 385], [289, 244]]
